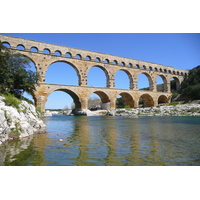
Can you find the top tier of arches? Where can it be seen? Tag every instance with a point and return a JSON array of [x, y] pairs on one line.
[[73, 53]]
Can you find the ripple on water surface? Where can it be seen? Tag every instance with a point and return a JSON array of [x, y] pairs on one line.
[[103, 140]]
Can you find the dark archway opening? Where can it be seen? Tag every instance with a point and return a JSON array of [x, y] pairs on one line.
[[162, 99], [174, 84], [146, 101]]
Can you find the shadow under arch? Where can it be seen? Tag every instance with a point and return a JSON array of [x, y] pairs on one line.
[[163, 99], [74, 96], [105, 72], [129, 77], [175, 84], [128, 99], [146, 100], [150, 87], [103, 96], [69, 63]]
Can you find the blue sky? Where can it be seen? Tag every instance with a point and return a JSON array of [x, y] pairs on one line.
[[179, 50]]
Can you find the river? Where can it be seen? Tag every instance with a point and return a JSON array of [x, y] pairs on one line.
[[108, 141]]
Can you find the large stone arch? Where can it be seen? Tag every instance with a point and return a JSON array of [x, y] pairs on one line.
[[129, 76], [150, 79], [75, 97], [69, 63], [164, 85], [147, 99], [128, 99], [107, 74]]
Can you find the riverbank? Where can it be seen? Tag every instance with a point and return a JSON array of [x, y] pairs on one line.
[[189, 109], [173, 109], [18, 120]]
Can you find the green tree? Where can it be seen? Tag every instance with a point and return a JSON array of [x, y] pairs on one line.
[[15, 73]]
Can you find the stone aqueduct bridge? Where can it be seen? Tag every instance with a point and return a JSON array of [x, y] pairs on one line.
[[44, 54]]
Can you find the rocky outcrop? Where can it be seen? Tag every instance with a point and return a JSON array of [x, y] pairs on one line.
[[192, 109], [18, 123]]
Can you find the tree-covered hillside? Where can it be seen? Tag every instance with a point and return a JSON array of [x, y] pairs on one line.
[[190, 87]]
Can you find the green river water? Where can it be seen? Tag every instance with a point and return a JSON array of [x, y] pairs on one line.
[[108, 141]]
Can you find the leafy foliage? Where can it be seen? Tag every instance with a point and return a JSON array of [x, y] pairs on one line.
[[190, 87], [11, 100], [15, 73], [120, 103]]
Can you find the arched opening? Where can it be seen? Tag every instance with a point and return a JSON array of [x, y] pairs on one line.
[[62, 99], [123, 80], [78, 56], [68, 55], [46, 51], [124, 100], [34, 49], [146, 101], [145, 82], [150, 68], [106, 61], [20, 47], [6, 44], [114, 62], [137, 66], [97, 59], [62, 73], [123, 64], [144, 67], [57, 53], [97, 77], [88, 58], [130, 65], [162, 99], [174, 84], [161, 83]]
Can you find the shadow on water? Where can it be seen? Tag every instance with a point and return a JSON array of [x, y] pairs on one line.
[[108, 141]]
